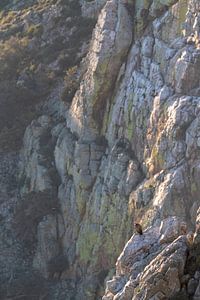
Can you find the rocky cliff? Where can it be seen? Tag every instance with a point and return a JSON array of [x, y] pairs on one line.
[[101, 131]]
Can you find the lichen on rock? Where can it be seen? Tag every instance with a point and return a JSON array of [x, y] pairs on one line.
[[113, 139]]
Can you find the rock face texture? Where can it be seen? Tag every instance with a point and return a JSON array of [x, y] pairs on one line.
[[121, 147], [160, 264], [151, 266]]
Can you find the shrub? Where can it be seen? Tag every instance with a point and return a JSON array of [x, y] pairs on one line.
[[12, 53]]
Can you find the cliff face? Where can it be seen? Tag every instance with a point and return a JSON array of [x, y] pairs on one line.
[[114, 141]]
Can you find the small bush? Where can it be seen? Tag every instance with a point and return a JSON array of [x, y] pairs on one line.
[[12, 53]]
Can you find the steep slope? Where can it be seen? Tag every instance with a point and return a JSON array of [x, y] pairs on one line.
[[122, 146], [42, 43]]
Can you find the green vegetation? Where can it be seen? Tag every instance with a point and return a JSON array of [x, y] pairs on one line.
[[12, 53], [22, 86], [26, 56]]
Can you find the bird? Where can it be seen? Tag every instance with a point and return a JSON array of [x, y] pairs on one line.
[[138, 228]]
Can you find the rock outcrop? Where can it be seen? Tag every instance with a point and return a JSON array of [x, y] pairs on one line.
[[119, 145], [129, 149], [160, 264], [152, 264]]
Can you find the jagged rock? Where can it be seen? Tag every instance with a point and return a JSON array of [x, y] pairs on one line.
[[139, 246], [103, 66], [158, 6], [152, 270], [125, 150], [36, 157], [197, 275], [115, 285], [64, 152], [124, 173], [186, 72], [147, 46], [142, 195], [50, 232]]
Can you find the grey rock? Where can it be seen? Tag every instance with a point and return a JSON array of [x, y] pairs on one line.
[[116, 284], [142, 96], [197, 293], [197, 275], [50, 231], [192, 285], [147, 46], [36, 156], [103, 66]]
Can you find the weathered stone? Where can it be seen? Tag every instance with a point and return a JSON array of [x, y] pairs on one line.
[[50, 230], [170, 229], [102, 69], [64, 153], [161, 274], [192, 285], [147, 46], [126, 149], [185, 71], [158, 6], [197, 275], [36, 157], [115, 285]]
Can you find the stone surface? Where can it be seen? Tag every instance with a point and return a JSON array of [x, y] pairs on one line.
[[124, 150], [35, 161], [132, 154], [86, 113], [92, 8], [152, 268]]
